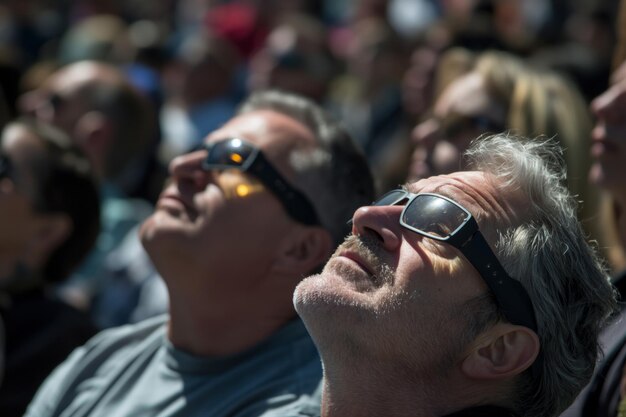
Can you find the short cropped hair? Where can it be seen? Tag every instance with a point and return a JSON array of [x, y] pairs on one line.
[[335, 176], [548, 253], [64, 183]]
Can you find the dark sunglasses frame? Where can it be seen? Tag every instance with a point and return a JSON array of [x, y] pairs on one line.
[[510, 296], [297, 205], [451, 126]]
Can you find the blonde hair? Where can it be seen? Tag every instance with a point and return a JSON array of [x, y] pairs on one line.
[[538, 103], [543, 103]]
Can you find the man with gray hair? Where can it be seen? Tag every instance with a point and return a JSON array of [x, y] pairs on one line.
[[468, 294], [242, 220]]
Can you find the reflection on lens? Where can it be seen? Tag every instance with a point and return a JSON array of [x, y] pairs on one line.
[[235, 143], [236, 158], [434, 216], [243, 190], [227, 152]]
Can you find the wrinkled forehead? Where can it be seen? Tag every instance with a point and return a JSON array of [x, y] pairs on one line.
[[267, 129], [274, 133], [482, 194]]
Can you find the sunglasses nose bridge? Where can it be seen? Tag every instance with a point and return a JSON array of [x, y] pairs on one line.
[[189, 167]]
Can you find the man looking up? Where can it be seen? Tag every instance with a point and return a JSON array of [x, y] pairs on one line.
[[468, 294], [241, 221], [49, 221], [114, 124]]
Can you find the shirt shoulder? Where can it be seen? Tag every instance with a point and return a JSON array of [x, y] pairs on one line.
[[96, 360]]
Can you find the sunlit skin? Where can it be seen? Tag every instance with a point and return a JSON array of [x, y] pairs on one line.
[[391, 298], [219, 238]]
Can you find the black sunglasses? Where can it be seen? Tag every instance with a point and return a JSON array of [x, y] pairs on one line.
[[454, 125], [239, 154], [440, 218], [437, 217]]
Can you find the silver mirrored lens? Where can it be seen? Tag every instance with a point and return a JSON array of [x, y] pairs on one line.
[[434, 216], [233, 152]]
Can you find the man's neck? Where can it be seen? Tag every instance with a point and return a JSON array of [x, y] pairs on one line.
[[366, 391], [362, 393], [204, 331]]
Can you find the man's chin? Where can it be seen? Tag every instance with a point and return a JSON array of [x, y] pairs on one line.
[[148, 229], [303, 295], [158, 227], [326, 294], [314, 298]]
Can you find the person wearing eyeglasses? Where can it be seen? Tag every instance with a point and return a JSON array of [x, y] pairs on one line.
[[242, 220], [49, 220], [493, 92], [468, 294]]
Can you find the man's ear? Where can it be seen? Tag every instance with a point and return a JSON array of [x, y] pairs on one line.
[[503, 351], [304, 250]]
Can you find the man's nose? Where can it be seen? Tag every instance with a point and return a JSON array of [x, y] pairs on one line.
[[188, 168], [381, 223]]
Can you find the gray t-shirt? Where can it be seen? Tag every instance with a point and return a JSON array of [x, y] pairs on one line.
[[135, 371]]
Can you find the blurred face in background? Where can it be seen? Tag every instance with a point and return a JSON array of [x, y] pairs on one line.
[[418, 81], [464, 111], [609, 137], [59, 101], [28, 233], [291, 61], [17, 187]]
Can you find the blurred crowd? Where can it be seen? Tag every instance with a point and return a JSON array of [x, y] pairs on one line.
[[375, 63], [128, 85]]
